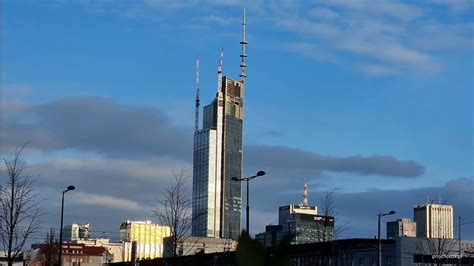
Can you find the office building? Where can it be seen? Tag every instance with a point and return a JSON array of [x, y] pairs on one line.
[[142, 239], [300, 221], [434, 220], [217, 200], [404, 227]]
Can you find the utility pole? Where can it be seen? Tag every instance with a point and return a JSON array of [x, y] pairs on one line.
[[459, 239]]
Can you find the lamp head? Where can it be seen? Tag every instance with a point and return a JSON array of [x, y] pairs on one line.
[[71, 187], [260, 173], [235, 179], [391, 212]]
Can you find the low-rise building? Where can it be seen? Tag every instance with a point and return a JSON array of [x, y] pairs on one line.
[[192, 245], [115, 249], [73, 254]]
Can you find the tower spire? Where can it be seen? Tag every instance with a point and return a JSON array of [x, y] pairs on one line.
[[196, 118], [219, 71], [305, 194], [243, 55]]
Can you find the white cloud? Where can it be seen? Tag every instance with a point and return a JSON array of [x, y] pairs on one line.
[[104, 200]]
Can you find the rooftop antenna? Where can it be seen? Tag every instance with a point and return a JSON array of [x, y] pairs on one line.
[[219, 71], [243, 55], [196, 118], [305, 194]]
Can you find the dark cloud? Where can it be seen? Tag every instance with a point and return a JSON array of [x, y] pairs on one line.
[[100, 125], [277, 158]]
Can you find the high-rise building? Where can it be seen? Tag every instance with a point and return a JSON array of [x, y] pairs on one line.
[[434, 220], [142, 239], [217, 200], [401, 227]]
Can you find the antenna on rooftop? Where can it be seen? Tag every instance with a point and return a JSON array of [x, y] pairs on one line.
[[305, 194], [219, 71], [243, 55], [196, 118]]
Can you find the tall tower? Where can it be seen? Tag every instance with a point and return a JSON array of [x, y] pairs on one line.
[[217, 200]]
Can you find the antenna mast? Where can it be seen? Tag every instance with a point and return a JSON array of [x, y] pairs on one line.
[[196, 118], [243, 55], [219, 71], [305, 194]]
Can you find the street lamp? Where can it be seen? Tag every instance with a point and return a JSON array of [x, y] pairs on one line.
[[61, 228], [259, 173], [379, 215]]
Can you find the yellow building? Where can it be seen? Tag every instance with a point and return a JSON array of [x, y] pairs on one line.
[[145, 237]]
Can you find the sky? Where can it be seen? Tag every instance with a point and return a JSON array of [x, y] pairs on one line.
[[370, 99]]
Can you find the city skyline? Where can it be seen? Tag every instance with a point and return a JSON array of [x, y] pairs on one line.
[[105, 93]]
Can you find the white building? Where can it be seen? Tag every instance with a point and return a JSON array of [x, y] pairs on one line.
[[434, 220]]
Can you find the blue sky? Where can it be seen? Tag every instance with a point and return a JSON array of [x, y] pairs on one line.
[[369, 96]]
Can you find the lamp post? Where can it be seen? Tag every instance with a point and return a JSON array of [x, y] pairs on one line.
[[379, 215], [247, 179], [61, 228]]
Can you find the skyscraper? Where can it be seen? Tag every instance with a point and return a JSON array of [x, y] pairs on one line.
[[217, 200]]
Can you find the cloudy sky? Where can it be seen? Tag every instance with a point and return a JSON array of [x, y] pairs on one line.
[[372, 99]]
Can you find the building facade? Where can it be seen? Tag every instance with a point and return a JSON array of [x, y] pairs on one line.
[[217, 200], [75, 232], [192, 245], [434, 220], [401, 227], [73, 254], [115, 249], [142, 239]]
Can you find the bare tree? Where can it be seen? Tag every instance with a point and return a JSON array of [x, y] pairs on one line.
[[327, 207], [20, 214], [439, 243], [174, 210], [51, 248]]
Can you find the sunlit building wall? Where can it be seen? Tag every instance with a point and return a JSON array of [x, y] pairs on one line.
[[434, 220], [217, 200], [147, 236]]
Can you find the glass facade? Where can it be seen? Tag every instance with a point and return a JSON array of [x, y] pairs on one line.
[[217, 200]]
